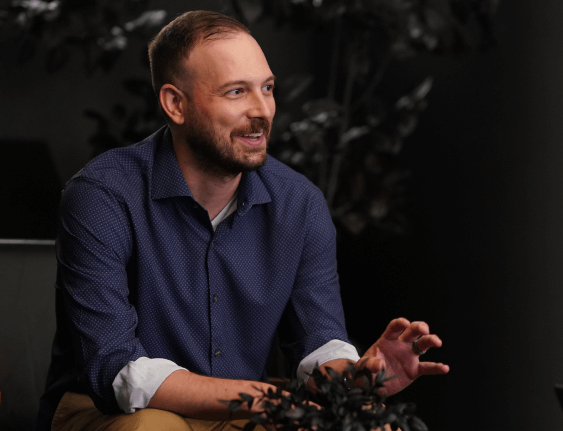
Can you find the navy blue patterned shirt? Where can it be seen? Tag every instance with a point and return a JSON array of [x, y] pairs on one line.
[[143, 273]]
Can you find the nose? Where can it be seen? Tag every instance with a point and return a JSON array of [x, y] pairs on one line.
[[261, 106]]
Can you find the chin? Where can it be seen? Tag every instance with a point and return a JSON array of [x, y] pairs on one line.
[[254, 165], [257, 157]]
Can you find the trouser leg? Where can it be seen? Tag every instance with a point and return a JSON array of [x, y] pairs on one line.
[[76, 412]]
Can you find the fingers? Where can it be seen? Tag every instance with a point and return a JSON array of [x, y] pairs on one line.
[[395, 328], [432, 368], [427, 341], [414, 331], [404, 330]]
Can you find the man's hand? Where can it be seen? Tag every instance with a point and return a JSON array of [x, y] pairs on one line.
[[394, 352]]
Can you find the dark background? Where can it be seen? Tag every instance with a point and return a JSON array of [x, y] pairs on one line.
[[482, 263]]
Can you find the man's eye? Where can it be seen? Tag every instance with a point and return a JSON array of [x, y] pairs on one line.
[[235, 92], [269, 87]]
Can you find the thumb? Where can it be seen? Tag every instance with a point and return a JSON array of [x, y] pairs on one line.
[[372, 364]]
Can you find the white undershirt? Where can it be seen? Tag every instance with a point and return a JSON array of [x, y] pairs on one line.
[[225, 212], [137, 382]]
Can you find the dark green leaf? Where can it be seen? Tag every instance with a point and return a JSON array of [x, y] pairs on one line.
[[293, 86], [417, 425], [380, 377], [354, 133], [295, 413], [333, 374], [317, 107], [247, 399], [234, 406]]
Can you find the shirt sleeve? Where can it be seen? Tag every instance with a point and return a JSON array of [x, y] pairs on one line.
[[334, 349], [138, 381], [94, 247], [314, 315]]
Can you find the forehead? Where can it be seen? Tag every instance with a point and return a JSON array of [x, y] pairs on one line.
[[237, 57]]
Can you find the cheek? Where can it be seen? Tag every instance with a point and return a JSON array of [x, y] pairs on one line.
[[229, 119], [220, 119]]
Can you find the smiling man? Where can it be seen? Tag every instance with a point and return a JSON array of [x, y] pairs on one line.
[[181, 257]]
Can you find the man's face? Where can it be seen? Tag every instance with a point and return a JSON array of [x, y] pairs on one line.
[[230, 104]]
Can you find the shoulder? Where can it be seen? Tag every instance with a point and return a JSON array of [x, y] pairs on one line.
[[279, 177], [120, 168], [298, 205], [293, 196]]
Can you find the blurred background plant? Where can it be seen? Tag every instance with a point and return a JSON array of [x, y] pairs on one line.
[[347, 137], [337, 124], [98, 32]]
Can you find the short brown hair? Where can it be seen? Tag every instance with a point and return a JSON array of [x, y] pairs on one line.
[[175, 41]]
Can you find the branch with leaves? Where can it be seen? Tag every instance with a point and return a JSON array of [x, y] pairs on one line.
[[347, 140], [360, 408], [98, 30]]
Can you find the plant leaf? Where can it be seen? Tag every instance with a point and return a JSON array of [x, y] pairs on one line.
[[417, 425], [295, 413], [295, 85]]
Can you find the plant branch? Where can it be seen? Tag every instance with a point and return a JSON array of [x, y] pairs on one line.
[[331, 94], [334, 60], [375, 80], [341, 145]]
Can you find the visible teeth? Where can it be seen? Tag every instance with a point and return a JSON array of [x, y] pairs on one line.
[[254, 135]]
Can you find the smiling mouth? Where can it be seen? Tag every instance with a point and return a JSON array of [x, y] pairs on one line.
[[253, 136], [252, 139]]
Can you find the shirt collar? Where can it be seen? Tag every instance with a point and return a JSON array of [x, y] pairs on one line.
[[251, 191], [168, 180]]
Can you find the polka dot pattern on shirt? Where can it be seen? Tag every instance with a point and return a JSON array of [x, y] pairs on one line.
[[144, 273]]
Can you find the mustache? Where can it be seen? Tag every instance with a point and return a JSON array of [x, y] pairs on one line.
[[256, 125]]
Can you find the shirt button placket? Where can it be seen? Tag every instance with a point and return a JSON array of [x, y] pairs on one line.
[[215, 318]]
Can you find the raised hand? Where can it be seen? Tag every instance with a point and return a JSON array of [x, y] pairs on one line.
[[395, 352]]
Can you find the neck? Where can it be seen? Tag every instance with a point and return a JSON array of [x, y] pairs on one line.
[[211, 190]]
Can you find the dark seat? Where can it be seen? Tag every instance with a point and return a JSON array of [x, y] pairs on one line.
[[27, 327]]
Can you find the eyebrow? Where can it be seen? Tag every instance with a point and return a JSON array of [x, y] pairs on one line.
[[242, 82]]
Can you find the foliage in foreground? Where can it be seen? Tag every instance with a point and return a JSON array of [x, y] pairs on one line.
[[358, 409]]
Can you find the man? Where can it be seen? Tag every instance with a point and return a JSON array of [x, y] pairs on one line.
[[181, 256]]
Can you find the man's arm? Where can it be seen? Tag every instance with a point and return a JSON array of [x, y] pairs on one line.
[[200, 397], [93, 248]]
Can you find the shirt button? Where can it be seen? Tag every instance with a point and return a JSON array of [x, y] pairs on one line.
[[217, 353], [212, 243], [215, 298]]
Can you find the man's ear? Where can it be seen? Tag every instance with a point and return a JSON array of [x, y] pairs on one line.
[[173, 102]]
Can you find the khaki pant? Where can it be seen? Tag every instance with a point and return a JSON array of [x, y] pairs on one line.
[[77, 412]]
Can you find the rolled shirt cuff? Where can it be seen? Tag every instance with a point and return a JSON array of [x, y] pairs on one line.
[[137, 382], [334, 349]]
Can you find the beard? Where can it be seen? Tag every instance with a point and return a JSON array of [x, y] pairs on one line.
[[225, 157]]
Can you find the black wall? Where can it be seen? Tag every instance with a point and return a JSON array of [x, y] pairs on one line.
[[483, 264]]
